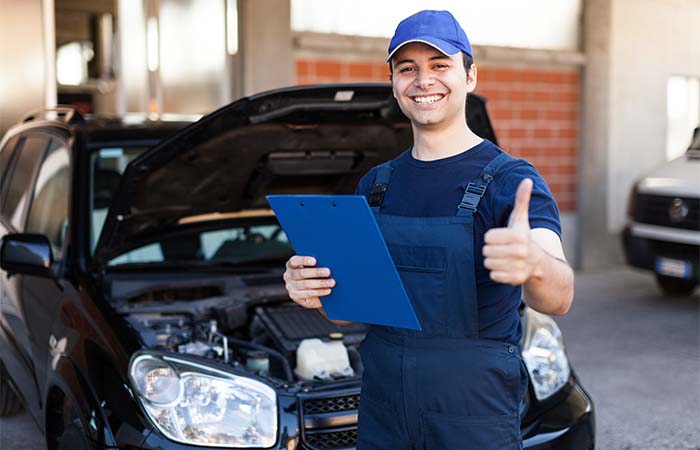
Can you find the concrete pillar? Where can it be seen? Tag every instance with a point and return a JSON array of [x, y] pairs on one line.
[[266, 60], [596, 245]]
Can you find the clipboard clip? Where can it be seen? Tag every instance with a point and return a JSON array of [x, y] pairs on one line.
[[376, 195]]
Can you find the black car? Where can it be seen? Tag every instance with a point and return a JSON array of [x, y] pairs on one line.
[[142, 298]]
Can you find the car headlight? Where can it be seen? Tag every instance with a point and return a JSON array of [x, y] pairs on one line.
[[195, 404], [543, 353]]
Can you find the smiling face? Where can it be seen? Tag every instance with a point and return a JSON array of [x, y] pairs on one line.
[[431, 88]]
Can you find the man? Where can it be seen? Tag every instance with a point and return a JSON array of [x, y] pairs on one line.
[[456, 213]]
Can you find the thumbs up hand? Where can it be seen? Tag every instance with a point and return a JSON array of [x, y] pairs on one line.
[[509, 253]]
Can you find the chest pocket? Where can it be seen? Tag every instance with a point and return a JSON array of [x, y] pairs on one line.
[[423, 272], [419, 259]]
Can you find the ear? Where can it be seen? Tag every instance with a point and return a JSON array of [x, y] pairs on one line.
[[471, 78]]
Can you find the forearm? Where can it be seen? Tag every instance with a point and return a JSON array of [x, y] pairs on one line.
[[550, 288]]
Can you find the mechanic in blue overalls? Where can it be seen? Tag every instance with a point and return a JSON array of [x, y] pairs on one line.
[[469, 227]]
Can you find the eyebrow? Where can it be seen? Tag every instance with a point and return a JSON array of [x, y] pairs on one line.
[[432, 58]]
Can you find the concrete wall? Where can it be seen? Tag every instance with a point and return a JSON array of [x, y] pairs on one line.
[[23, 71], [266, 45], [632, 48]]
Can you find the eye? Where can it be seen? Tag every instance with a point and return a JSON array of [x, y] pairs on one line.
[[441, 66], [406, 69]]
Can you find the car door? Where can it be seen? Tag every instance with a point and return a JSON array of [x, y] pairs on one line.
[[14, 199], [41, 297]]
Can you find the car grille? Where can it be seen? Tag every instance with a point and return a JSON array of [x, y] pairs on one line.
[[654, 210], [343, 439], [330, 423], [332, 404]]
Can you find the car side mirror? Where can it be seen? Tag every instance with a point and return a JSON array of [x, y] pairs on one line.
[[28, 254]]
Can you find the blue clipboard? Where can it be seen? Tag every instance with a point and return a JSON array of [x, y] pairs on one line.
[[341, 233]]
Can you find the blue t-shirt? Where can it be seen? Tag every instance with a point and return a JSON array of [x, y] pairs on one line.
[[435, 188]]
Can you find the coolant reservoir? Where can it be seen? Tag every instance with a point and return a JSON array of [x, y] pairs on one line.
[[324, 360]]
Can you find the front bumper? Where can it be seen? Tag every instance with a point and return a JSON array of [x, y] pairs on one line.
[[568, 425], [643, 252]]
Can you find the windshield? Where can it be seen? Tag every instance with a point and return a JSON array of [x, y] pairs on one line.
[[236, 242]]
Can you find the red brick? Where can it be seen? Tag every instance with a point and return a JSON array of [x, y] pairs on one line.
[[303, 68], [560, 115], [517, 133], [541, 133], [567, 133], [529, 114], [328, 69], [518, 96], [501, 114], [531, 76], [571, 77], [358, 70], [505, 75]]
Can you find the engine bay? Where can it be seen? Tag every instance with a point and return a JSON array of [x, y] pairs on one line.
[[253, 327]]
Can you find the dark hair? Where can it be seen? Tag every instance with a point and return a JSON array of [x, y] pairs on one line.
[[466, 60]]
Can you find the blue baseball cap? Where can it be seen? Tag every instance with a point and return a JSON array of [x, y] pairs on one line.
[[438, 29]]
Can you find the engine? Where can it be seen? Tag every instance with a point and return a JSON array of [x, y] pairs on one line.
[[272, 338]]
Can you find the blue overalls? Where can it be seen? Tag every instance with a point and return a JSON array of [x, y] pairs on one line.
[[441, 388]]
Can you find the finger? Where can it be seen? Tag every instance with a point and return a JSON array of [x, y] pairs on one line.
[[310, 302], [315, 272], [504, 236], [313, 283], [521, 207], [505, 251], [504, 265], [505, 277], [297, 261], [310, 293]]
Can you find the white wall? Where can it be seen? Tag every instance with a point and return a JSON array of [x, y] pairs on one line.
[[549, 24]]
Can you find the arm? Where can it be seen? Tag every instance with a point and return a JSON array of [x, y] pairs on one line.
[[550, 287], [518, 255]]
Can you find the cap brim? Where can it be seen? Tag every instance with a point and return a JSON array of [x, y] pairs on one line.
[[443, 47]]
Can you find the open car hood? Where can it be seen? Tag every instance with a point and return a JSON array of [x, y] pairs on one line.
[[300, 140]]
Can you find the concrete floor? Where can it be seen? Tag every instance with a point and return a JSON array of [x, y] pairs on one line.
[[636, 352]]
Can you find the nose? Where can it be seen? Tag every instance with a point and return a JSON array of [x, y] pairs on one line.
[[424, 79]]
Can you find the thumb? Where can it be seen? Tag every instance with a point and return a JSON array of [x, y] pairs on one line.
[[520, 215]]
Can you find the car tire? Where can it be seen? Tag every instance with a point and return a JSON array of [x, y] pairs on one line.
[[74, 438], [10, 404], [675, 286]]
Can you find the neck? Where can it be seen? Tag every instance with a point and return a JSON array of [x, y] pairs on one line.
[[431, 144]]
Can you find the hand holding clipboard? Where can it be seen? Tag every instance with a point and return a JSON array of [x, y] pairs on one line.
[[339, 232]]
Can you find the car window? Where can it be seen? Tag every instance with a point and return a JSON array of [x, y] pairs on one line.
[[48, 213], [20, 178], [107, 166], [5, 155]]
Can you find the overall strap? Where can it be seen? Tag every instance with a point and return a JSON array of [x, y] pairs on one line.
[[476, 189], [381, 182]]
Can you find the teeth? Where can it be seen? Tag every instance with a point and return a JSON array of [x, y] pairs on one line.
[[427, 100]]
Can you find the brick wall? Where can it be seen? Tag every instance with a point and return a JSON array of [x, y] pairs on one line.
[[535, 112], [536, 117]]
